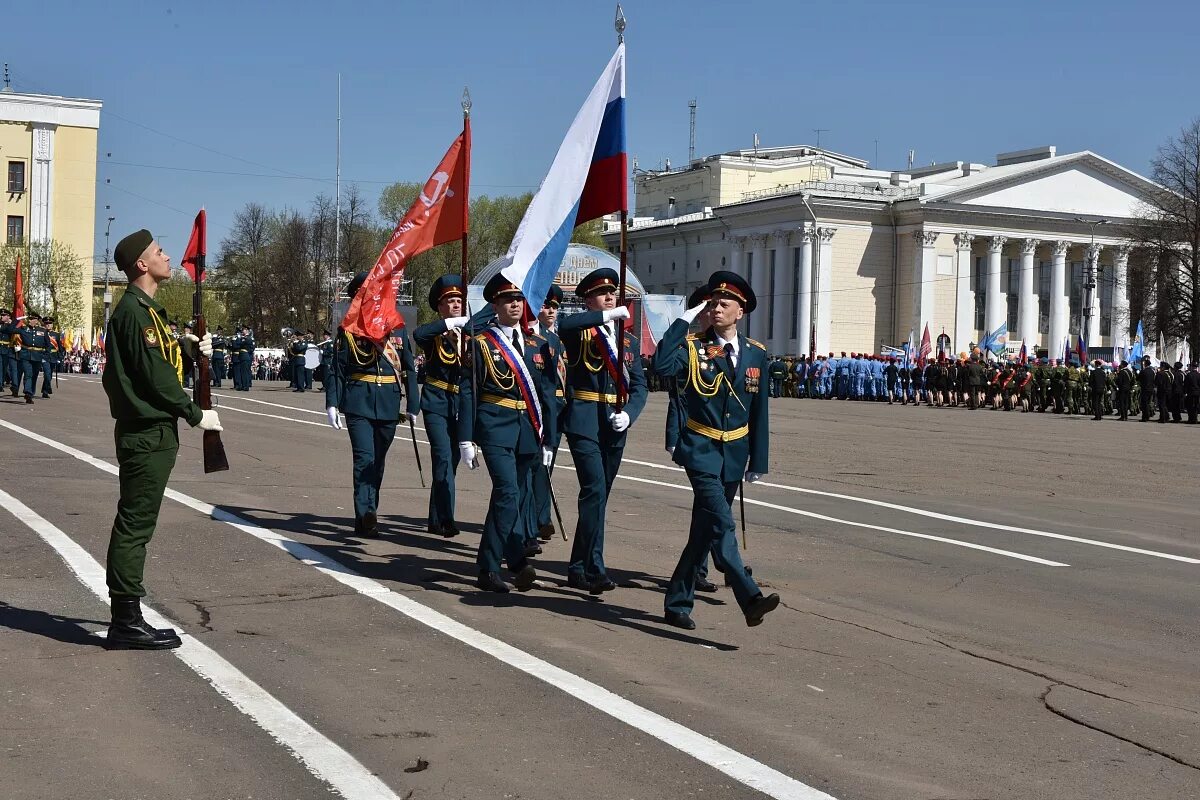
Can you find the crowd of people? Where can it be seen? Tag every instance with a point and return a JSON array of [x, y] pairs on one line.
[[980, 381]]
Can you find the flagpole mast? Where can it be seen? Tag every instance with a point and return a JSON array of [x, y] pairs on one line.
[[337, 208], [619, 25], [464, 338]]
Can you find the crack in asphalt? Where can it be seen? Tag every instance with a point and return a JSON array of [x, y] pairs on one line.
[[1044, 697], [205, 616], [853, 624]]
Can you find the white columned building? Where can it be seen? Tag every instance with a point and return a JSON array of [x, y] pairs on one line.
[[824, 287], [805, 302], [996, 310], [758, 281], [1119, 332], [1028, 310], [1060, 311], [964, 294], [925, 270], [781, 306], [1092, 275]]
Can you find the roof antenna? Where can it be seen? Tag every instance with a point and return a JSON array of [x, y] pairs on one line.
[[692, 134], [7, 80]]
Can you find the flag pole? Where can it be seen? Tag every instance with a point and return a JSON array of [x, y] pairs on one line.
[[464, 337], [213, 450], [619, 25]]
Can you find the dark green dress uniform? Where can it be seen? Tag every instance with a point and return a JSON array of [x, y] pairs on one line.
[[298, 349], [503, 427], [364, 386], [247, 359], [596, 448], [7, 363], [33, 344], [726, 430], [236, 350], [217, 362], [442, 405], [143, 378], [52, 358]]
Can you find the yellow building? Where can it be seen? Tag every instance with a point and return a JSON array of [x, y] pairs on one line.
[[48, 153]]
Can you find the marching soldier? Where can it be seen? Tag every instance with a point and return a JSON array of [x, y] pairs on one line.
[[513, 423], [365, 386], [595, 429], [556, 366], [7, 363], [143, 379], [247, 358], [326, 348], [30, 344], [724, 441], [442, 397], [53, 356], [220, 344]]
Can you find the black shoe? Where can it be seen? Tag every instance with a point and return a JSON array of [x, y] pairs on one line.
[[546, 532], [129, 631], [601, 585], [760, 607], [491, 582], [705, 585], [532, 548], [450, 530], [370, 526], [29, 399], [45, 396], [525, 579], [679, 620], [577, 581]]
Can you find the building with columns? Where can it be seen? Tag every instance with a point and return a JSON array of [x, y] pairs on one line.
[[48, 152], [852, 258]]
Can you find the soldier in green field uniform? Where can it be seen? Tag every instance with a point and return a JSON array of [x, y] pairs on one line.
[[143, 379], [1073, 378], [1058, 386]]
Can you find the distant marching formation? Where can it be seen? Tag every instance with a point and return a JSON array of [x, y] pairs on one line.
[[30, 348]]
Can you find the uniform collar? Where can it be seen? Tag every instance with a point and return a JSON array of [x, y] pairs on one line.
[[144, 298]]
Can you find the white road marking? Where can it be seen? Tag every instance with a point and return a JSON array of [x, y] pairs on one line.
[[736, 765], [319, 755], [265, 403], [815, 688], [790, 510], [975, 523]]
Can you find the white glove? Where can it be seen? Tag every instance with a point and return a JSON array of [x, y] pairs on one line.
[[466, 454], [408, 416], [547, 457], [206, 345], [693, 312], [335, 421], [753, 477], [456, 322], [619, 420], [209, 421], [620, 312], [671, 451]]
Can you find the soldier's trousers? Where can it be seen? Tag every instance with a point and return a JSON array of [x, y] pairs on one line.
[[47, 378], [596, 465], [1147, 399], [442, 433], [218, 373], [6, 370], [503, 529], [1123, 400], [712, 528], [145, 457], [370, 440], [29, 374], [1164, 405]]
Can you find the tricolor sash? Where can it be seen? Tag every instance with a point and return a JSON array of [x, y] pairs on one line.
[[608, 354], [524, 380]]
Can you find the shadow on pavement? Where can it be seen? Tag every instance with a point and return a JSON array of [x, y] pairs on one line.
[[435, 563], [51, 626]]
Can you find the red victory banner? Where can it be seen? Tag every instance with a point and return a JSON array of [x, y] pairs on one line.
[[193, 256], [437, 216], [18, 308]]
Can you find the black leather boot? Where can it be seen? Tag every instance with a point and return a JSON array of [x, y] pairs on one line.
[[130, 631]]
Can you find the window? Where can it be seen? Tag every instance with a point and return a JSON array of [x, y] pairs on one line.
[[1013, 299], [16, 230], [1075, 292], [980, 290], [672, 266], [16, 176], [1014, 276], [1105, 288]]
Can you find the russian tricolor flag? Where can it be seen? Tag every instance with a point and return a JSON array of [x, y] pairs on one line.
[[588, 179]]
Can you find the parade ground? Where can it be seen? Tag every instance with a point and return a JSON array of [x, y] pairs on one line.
[[976, 605]]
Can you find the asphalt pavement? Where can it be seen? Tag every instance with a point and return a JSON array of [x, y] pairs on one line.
[[976, 605]]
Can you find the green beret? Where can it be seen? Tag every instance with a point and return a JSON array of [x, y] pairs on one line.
[[130, 249]]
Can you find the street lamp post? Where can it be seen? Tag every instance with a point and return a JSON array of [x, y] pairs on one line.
[[107, 265], [1089, 275]]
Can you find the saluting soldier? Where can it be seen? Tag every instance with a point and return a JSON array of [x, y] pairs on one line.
[[513, 423], [442, 397], [595, 429], [365, 386], [143, 378], [725, 440], [539, 523]]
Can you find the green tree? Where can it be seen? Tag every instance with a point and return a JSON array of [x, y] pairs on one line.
[[52, 277]]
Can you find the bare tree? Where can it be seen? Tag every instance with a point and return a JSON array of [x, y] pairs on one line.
[[1167, 280], [242, 272]]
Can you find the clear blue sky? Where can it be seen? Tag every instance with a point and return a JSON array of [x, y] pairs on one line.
[[256, 84]]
